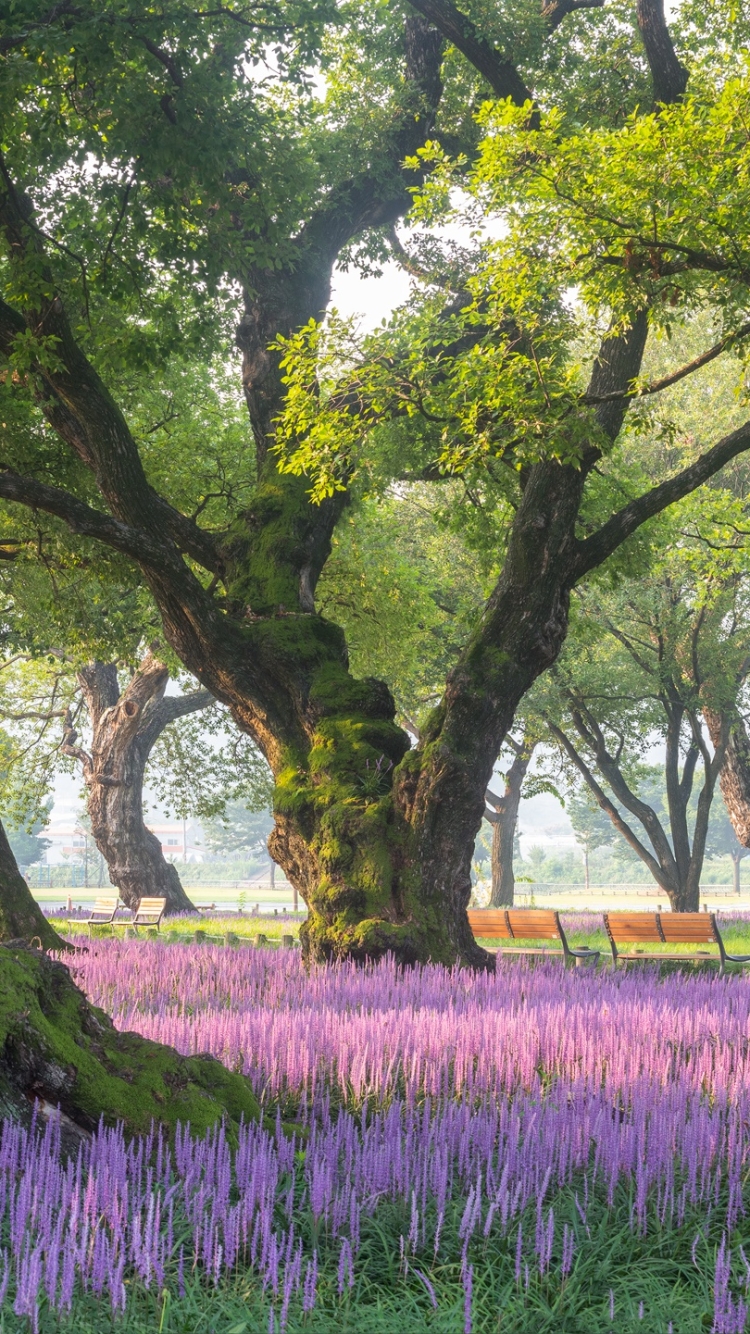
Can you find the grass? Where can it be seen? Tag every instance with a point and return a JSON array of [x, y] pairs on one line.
[[656, 1282], [212, 927], [735, 930]]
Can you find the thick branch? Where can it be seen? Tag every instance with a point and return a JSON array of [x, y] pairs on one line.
[[167, 710], [81, 518], [555, 13], [457, 28], [668, 76], [595, 549]]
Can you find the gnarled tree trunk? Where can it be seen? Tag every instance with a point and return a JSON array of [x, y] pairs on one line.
[[502, 813], [125, 728], [21, 918], [378, 838]]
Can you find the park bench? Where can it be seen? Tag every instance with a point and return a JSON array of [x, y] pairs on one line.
[[103, 914], [526, 924], [148, 913], [670, 928]]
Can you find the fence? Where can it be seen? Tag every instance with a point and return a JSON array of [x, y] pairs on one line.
[[649, 890]]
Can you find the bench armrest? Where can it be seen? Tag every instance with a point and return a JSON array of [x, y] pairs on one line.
[[584, 952]]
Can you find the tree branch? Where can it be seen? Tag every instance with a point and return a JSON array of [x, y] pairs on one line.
[[669, 77], [595, 549], [656, 386], [555, 13], [82, 519], [500, 73]]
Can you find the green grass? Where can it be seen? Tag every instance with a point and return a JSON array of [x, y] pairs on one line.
[[213, 928], [656, 1269]]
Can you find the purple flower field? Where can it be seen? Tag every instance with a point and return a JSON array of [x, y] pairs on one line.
[[512, 1116]]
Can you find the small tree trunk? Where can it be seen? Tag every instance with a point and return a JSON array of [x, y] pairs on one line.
[[503, 878], [736, 859], [586, 867], [125, 728], [502, 813], [21, 918]]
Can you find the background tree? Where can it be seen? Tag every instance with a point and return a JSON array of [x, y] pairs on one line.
[[168, 178], [722, 841], [651, 657], [126, 722], [591, 826]]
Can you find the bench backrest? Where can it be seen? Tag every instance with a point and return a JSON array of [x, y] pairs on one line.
[[689, 928], [104, 906], [678, 928], [515, 923], [150, 909], [638, 927]]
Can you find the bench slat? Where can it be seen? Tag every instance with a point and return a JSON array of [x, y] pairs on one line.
[[489, 922], [534, 923], [634, 926], [688, 928]]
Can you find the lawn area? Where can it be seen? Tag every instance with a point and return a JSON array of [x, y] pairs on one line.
[[543, 1149], [582, 928]]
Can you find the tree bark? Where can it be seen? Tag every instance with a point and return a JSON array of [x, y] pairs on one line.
[[735, 773], [21, 918], [125, 728], [502, 813]]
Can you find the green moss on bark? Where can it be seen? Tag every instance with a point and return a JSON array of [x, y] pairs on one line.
[[58, 1048]]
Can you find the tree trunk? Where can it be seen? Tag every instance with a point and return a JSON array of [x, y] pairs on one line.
[[502, 812], [735, 773], [736, 859], [586, 867], [21, 918], [378, 838], [57, 1049], [125, 728]]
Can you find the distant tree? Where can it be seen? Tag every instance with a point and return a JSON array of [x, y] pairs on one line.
[[239, 831], [648, 660], [26, 845], [591, 826], [722, 841]]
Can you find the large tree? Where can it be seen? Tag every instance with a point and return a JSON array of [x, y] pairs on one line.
[[149, 174]]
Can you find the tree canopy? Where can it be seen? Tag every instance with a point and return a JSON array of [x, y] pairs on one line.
[[174, 182]]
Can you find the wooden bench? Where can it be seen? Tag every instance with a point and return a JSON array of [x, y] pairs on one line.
[[148, 913], [104, 913], [669, 928], [526, 924]]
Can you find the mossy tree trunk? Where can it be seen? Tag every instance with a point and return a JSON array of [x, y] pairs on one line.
[[58, 1050], [125, 727], [378, 838], [21, 918]]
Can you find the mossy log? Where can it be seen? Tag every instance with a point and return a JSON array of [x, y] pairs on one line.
[[56, 1049]]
